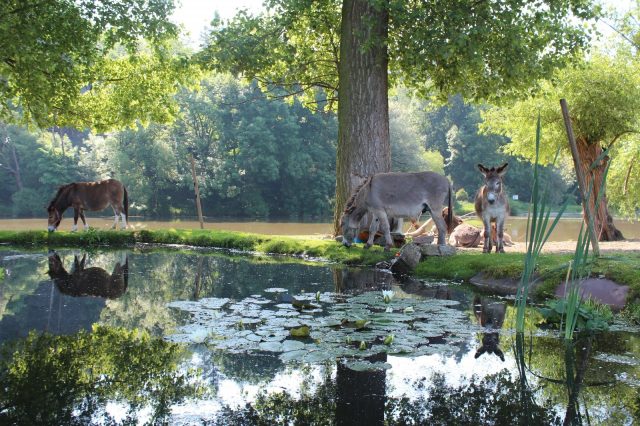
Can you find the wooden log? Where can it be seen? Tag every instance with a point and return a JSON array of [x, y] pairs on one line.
[[582, 183], [197, 191]]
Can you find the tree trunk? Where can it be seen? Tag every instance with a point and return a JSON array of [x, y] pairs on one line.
[[589, 152], [363, 108]]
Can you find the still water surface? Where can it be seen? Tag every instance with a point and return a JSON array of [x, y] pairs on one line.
[[101, 323]]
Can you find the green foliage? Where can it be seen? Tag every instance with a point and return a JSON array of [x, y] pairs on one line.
[[461, 195], [603, 95], [59, 65], [538, 231], [408, 151], [452, 129], [27, 202], [62, 379], [450, 48], [631, 313], [591, 316]]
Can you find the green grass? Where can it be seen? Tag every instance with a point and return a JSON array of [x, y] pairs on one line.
[[325, 249]]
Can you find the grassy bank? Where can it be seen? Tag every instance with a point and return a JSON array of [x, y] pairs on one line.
[[326, 249], [621, 268]]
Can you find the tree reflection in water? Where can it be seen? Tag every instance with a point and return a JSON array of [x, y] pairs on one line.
[[70, 379], [490, 400]]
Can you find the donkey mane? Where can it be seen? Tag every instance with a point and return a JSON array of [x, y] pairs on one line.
[[61, 190], [358, 193]]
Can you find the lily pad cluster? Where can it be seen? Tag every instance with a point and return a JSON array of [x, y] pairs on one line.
[[325, 326]]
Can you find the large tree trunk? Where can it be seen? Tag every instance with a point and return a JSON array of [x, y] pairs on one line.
[[604, 227], [363, 108]]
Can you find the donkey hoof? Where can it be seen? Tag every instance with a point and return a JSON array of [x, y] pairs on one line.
[[367, 246]]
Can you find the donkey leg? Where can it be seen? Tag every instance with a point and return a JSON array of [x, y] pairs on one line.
[[500, 235], [123, 225], [386, 229], [486, 248], [115, 222], [74, 228], [442, 228], [373, 229], [84, 220]]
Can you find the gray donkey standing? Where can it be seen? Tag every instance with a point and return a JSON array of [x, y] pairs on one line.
[[397, 195], [492, 205]]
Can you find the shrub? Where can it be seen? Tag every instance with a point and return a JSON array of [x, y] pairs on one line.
[[462, 195]]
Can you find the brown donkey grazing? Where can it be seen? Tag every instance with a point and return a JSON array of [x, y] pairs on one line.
[[91, 196], [492, 206]]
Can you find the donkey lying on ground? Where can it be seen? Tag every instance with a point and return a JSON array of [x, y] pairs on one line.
[[465, 235], [492, 205], [400, 195]]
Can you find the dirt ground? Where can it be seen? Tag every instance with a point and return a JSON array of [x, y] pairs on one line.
[[630, 245]]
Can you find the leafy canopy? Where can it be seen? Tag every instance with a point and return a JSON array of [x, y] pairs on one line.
[[479, 49], [58, 67], [603, 95]]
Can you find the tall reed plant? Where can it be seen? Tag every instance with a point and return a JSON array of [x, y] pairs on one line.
[[580, 266], [539, 229]]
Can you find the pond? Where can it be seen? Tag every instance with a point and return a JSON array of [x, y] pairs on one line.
[[150, 336]]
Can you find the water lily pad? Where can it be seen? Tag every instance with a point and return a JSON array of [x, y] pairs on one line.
[[292, 345], [275, 290], [300, 331], [270, 346], [362, 365], [339, 327]]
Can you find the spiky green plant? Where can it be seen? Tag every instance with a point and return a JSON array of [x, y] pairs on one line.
[[582, 259], [538, 232]]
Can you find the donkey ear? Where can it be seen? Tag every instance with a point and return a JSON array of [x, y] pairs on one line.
[[483, 169], [502, 169]]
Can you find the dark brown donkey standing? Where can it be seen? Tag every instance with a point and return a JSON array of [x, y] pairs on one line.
[[492, 206], [92, 196]]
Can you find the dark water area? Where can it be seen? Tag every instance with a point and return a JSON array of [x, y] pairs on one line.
[[209, 337]]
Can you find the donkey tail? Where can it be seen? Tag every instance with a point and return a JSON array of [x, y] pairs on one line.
[[450, 223], [125, 203]]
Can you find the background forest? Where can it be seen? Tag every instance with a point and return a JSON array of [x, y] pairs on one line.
[[151, 103], [256, 157]]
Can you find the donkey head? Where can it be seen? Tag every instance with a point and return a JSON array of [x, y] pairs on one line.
[[493, 181], [349, 224], [54, 218]]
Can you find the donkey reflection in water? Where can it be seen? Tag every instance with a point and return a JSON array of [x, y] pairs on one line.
[[492, 206], [92, 196], [397, 195], [490, 315], [91, 281]]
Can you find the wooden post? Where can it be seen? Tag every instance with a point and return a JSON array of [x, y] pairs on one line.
[[582, 182], [197, 191]]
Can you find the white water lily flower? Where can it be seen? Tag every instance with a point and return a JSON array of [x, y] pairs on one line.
[[387, 295], [389, 309], [200, 335], [408, 310]]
